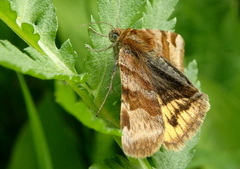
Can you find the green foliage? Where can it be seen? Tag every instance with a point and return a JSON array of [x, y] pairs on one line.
[[157, 15], [211, 31], [176, 160], [118, 162], [35, 22], [42, 143], [67, 98], [191, 72]]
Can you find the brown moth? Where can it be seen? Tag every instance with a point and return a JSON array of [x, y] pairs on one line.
[[160, 106]]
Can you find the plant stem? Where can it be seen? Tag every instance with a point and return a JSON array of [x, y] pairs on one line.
[[84, 96], [144, 163]]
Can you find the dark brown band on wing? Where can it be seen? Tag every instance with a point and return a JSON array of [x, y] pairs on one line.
[[173, 38], [136, 99], [165, 46], [125, 119]]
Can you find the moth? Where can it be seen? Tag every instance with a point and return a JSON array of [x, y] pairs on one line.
[[159, 105]]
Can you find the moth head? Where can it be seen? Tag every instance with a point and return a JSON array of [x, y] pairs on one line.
[[114, 34]]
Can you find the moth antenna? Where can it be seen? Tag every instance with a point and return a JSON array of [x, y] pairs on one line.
[[90, 28], [98, 50], [109, 88]]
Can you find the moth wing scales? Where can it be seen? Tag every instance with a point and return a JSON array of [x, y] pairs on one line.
[[188, 121], [182, 105], [176, 45], [141, 119], [171, 47], [159, 104]]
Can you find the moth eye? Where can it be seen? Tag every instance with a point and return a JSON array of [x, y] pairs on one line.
[[113, 36]]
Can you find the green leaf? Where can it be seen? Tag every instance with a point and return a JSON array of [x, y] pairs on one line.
[[39, 138], [191, 71], [23, 155], [118, 162], [33, 64], [67, 98], [10, 16], [176, 160], [61, 141], [119, 13], [158, 13], [36, 23]]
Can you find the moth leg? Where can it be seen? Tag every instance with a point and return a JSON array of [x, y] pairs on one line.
[[109, 88]]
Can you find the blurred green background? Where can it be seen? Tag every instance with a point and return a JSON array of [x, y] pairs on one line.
[[211, 31]]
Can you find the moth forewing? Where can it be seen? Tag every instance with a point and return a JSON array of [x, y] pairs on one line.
[[141, 119]]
